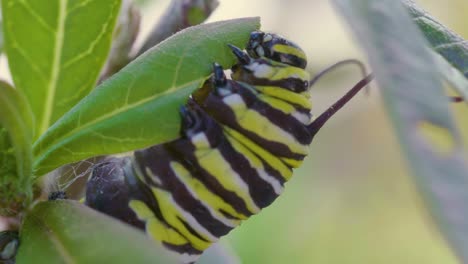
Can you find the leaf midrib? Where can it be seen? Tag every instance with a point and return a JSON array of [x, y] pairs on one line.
[[52, 85], [43, 153]]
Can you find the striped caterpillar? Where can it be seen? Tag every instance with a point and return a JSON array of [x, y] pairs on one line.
[[239, 143]]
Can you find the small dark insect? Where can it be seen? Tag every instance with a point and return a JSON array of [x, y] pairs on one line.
[[239, 143], [57, 195]]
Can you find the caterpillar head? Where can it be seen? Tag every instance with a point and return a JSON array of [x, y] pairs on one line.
[[267, 72], [277, 48]]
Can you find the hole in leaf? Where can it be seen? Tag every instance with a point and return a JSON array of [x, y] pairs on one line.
[[439, 138]]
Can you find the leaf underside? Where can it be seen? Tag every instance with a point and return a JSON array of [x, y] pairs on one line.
[[415, 101], [65, 231]]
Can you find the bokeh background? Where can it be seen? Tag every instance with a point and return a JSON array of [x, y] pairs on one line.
[[353, 200]]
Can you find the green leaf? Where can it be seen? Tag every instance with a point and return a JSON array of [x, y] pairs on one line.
[[139, 106], [1, 32], [17, 123], [10, 185], [418, 108], [446, 42], [68, 232], [55, 50]]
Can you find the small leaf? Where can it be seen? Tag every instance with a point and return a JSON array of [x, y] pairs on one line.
[[446, 42], [68, 232], [415, 100], [56, 49], [139, 106], [16, 129]]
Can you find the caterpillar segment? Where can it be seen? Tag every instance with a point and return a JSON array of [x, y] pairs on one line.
[[277, 48], [240, 140]]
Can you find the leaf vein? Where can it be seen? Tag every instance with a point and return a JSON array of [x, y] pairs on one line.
[[451, 44], [41, 155], [95, 42], [52, 85], [36, 16], [54, 239]]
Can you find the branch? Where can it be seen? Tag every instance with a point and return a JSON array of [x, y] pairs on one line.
[[125, 34], [179, 15]]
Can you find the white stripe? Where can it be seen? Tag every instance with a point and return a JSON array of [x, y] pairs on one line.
[[273, 133], [218, 216], [187, 258], [183, 258], [301, 117], [200, 141], [271, 180], [193, 223], [257, 163], [153, 176], [241, 187]]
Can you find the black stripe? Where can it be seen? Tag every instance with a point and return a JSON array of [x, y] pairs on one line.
[[185, 248], [260, 190], [192, 231], [297, 107], [287, 122], [289, 59], [111, 187], [158, 160], [185, 150], [293, 84], [225, 115], [283, 57], [267, 167], [274, 173], [227, 215]]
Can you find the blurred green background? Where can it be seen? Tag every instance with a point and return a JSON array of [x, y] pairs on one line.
[[353, 200]]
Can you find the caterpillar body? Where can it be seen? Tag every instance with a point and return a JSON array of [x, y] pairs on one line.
[[240, 140]]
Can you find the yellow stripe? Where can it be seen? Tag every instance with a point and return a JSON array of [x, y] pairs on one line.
[[277, 71], [273, 161], [277, 104], [155, 228], [292, 162], [171, 213], [256, 163], [212, 161], [255, 122], [203, 194], [286, 95], [287, 49], [289, 72]]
